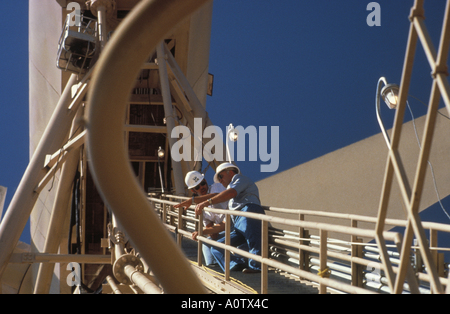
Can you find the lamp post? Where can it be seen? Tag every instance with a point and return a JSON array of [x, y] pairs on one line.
[[389, 93], [232, 135], [161, 154]]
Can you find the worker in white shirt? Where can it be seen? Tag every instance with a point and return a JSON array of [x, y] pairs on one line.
[[213, 223]]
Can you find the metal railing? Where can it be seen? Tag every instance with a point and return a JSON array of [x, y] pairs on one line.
[[77, 44], [308, 252], [106, 151]]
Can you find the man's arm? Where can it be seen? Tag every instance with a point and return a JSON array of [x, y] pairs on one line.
[[197, 200], [219, 198], [210, 229]]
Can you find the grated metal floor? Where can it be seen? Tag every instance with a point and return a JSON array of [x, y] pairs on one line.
[[279, 282]]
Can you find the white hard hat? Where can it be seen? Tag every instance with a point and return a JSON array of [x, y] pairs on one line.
[[223, 166], [193, 178]]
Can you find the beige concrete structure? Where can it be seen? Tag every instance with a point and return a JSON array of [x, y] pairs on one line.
[[17, 277], [350, 179]]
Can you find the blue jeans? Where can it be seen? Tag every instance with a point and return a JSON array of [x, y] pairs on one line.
[[206, 249], [246, 231], [209, 258]]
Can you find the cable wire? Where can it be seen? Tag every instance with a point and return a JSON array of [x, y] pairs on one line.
[[429, 163]]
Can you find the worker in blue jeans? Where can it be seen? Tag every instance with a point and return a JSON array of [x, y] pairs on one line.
[[242, 195], [246, 230]]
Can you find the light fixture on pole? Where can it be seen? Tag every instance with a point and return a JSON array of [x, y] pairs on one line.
[[232, 135], [161, 154], [389, 93]]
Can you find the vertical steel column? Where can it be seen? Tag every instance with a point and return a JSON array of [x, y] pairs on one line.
[[101, 14], [170, 121], [102, 9]]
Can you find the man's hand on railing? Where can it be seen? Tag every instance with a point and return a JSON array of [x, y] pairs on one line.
[[183, 205], [199, 207], [213, 236]]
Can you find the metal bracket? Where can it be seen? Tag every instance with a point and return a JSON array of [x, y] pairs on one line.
[[119, 267]]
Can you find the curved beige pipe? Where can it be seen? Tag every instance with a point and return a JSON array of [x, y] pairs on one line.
[[113, 80]]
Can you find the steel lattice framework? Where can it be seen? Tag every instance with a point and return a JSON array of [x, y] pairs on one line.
[[411, 195]]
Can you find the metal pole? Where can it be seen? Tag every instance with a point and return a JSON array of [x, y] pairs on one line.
[[199, 242], [160, 174], [103, 9], [381, 81], [30, 258], [101, 14], [114, 286], [323, 259], [139, 279], [119, 238], [264, 254], [170, 121], [227, 242]]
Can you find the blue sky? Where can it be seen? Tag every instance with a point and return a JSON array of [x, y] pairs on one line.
[[309, 67]]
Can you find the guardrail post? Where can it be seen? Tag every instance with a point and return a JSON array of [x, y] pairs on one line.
[[161, 209], [418, 261], [171, 219], [438, 257], [227, 242], [434, 243], [163, 214], [200, 243], [180, 226], [264, 254], [357, 251], [323, 260], [357, 269], [303, 255]]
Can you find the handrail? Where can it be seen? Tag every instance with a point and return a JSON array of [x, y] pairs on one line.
[[361, 218], [297, 243], [144, 28]]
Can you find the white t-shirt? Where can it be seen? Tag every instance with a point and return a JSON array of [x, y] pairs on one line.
[[212, 217]]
